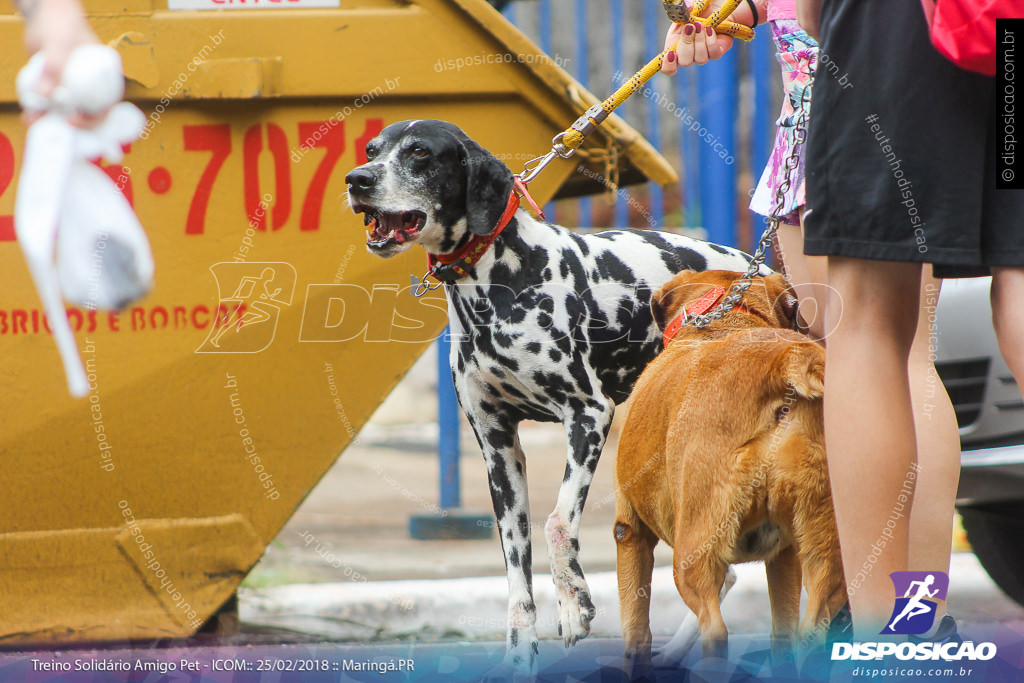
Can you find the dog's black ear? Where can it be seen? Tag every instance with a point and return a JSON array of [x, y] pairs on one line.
[[488, 185], [787, 305]]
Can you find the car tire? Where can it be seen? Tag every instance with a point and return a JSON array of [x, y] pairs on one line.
[[994, 532]]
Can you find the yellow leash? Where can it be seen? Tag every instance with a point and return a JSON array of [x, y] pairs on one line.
[[677, 12], [567, 142]]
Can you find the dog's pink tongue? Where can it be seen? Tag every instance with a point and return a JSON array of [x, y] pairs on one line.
[[400, 237]]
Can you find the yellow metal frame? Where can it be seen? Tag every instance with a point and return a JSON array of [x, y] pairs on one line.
[[571, 138], [136, 516]]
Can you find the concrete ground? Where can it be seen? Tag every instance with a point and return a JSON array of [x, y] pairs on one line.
[[358, 515], [345, 568], [343, 589]]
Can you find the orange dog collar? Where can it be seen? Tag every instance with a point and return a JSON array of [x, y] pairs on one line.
[[457, 265], [700, 307]]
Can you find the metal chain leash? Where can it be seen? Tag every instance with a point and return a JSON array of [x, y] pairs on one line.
[[566, 143], [740, 287]]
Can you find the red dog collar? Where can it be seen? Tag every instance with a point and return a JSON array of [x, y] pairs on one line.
[[700, 307], [459, 264]]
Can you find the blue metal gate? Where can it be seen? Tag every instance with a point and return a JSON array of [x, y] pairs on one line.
[[714, 122]]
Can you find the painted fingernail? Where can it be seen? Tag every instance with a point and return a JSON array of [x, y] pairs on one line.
[[688, 30], [671, 56], [709, 30]]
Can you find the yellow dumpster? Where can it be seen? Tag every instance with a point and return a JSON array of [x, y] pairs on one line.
[[221, 399]]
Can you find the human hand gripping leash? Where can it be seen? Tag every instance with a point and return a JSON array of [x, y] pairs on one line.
[[567, 142]]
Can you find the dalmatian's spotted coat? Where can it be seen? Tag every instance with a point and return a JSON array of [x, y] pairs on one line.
[[550, 326]]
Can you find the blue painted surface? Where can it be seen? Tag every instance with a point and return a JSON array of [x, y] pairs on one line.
[[688, 144], [653, 13], [718, 98], [448, 425], [709, 183], [585, 217], [618, 76], [544, 25], [762, 134], [762, 64]]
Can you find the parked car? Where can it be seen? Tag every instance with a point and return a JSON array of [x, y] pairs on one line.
[[990, 412]]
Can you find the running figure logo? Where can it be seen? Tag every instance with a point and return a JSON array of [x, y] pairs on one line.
[[914, 612], [250, 298]]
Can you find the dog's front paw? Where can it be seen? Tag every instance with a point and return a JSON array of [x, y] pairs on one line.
[[677, 649], [575, 612], [688, 633], [638, 668], [505, 672], [520, 664]]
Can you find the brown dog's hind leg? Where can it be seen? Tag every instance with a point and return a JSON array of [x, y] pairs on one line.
[[820, 558], [634, 564], [699, 581], [783, 573]]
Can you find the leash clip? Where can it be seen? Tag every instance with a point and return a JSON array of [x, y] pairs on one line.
[[677, 11], [559, 148], [422, 286], [529, 174]]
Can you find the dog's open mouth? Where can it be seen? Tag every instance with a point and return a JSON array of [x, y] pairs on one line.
[[390, 228]]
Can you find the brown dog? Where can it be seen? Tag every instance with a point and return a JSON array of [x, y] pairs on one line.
[[722, 457]]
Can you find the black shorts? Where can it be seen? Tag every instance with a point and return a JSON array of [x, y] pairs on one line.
[[901, 152]]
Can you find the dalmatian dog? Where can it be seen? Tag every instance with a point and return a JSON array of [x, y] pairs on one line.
[[547, 325]]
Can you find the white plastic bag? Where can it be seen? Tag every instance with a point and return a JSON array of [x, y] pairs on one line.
[[80, 237]]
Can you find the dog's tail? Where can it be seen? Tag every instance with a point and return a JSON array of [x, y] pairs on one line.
[[803, 369]]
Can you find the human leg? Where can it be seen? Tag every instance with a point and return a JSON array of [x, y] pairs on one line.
[[938, 447], [807, 274], [1008, 317], [869, 425]]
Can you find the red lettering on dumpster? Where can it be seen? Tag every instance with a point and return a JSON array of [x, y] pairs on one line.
[[19, 318], [214, 138], [260, 196], [122, 177], [255, 199], [6, 175], [331, 136]]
